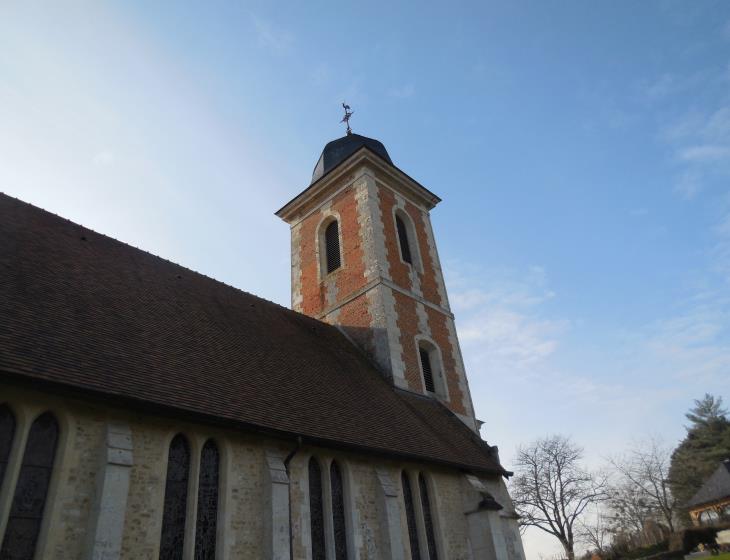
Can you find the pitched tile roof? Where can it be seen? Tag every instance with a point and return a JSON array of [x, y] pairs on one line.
[[83, 312], [715, 488]]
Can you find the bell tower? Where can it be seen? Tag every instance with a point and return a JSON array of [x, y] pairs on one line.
[[364, 258]]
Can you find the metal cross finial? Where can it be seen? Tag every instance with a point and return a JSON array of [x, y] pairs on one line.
[[346, 118]]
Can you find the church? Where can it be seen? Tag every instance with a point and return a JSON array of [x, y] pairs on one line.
[[150, 412]]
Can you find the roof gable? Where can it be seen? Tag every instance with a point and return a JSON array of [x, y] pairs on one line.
[[84, 311]]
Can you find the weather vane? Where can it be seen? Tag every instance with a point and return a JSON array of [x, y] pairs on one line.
[[346, 118]]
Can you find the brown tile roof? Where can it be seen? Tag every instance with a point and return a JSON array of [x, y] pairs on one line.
[[82, 311]]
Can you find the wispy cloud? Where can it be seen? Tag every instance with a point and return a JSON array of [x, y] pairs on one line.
[[272, 37], [694, 345], [500, 320], [707, 153]]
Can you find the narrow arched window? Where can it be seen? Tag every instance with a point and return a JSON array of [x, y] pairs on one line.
[[427, 518], [7, 432], [316, 510], [427, 368], [332, 246], [410, 517], [205, 528], [176, 498], [339, 525], [29, 500], [405, 247]]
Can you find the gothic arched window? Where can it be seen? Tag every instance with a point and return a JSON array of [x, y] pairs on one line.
[[410, 516], [176, 498], [339, 525], [26, 511], [316, 510], [205, 528], [405, 247], [332, 246], [427, 518], [7, 432]]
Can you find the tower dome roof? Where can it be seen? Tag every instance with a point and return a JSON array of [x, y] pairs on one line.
[[339, 150]]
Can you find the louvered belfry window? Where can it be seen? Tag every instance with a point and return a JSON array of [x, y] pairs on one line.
[[405, 248], [338, 512], [316, 510], [427, 370], [31, 490], [332, 246], [410, 517], [205, 529], [7, 432], [176, 498], [427, 518]]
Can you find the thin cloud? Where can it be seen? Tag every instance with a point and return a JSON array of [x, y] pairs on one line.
[[708, 153], [501, 324]]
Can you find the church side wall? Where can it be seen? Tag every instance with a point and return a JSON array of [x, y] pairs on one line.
[[73, 497]]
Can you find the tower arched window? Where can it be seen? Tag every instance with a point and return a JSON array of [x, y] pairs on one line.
[[316, 510], [332, 246], [339, 525], [31, 490], [7, 433], [405, 247], [427, 518], [176, 499], [207, 522], [410, 516], [429, 359]]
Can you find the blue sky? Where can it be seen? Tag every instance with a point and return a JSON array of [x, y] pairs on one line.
[[582, 151]]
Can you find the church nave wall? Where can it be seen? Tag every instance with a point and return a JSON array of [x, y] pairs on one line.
[[107, 493]]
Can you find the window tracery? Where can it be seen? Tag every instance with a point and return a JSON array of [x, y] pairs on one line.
[[316, 510], [176, 494], [31, 490], [410, 516], [205, 528], [427, 518], [338, 512]]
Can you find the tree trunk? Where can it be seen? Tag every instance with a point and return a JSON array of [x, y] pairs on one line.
[[568, 547]]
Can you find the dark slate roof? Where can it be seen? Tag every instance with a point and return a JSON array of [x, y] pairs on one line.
[[85, 314], [715, 488], [339, 150]]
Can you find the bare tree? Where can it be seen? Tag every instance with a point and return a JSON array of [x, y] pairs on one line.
[[551, 490], [629, 508], [645, 471], [596, 532]]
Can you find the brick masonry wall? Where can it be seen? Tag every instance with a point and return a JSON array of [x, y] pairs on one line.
[[385, 325]]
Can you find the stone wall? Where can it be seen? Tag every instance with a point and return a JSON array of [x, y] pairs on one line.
[[87, 449]]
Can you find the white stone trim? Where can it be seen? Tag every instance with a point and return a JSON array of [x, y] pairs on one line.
[[276, 509], [296, 267], [437, 271], [390, 522], [110, 509]]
